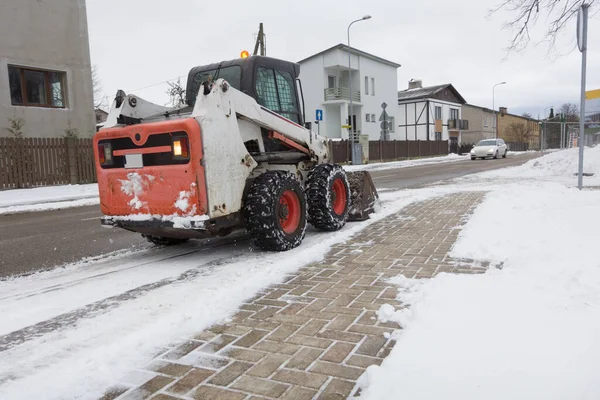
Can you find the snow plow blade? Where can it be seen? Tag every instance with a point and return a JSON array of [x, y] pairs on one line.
[[363, 195]]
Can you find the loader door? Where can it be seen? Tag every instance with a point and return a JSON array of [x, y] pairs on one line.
[[276, 90]]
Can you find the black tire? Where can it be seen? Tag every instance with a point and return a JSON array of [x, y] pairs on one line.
[[270, 211], [163, 241], [505, 153], [496, 155], [473, 158], [328, 197]]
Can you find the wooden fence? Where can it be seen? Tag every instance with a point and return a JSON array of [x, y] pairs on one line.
[[30, 162], [391, 150]]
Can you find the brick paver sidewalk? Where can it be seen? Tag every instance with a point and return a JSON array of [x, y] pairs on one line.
[[314, 335]]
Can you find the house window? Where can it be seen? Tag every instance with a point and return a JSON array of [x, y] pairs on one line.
[[438, 112], [373, 119], [373, 86], [36, 87], [392, 124], [368, 117], [438, 136], [331, 82], [366, 85], [275, 90], [454, 113], [485, 121]]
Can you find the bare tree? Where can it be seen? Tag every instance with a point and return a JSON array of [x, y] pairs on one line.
[[571, 111], [527, 14], [518, 133], [96, 87], [526, 115], [16, 127], [176, 93]]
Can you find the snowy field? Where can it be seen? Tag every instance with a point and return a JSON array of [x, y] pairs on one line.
[[48, 198], [527, 329]]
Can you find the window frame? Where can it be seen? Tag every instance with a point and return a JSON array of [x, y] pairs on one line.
[[373, 118], [436, 113], [368, 117], [47, 87], [366, 85], [372, 86], [296, 115], [454, 111]]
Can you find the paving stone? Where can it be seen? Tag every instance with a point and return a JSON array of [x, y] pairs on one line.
[[312, 327], [283, 332], [363, 361], [230, 373], [337, 389], [300, 393], [268, 365], [175, 370], [309, 341], [250, 338], [275, 347], [213, 393], [300, 378], [341, 322], [371, 346], [162, 396], [217, 344], [338, 352], [340, 335], [304, 358], [243, 354], [194, 378], [334, 369]]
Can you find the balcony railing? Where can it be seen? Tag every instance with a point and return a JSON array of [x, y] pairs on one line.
[[341, 93], [461, 124]]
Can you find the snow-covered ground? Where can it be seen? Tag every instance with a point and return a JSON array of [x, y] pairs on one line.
[[47, 198], [405, 164], [526, 329]]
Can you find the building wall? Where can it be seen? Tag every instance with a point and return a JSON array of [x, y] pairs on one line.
[[314, 74], [481, 124], [504, 121], [50, 35], [413, 118]]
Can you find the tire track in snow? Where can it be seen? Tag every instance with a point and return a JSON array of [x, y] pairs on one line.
[[92, 310]]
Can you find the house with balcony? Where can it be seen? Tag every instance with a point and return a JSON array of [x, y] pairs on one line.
[[430, 113], [328, 85]]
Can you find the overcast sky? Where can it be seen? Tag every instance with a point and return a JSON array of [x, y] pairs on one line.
[[138, 43]]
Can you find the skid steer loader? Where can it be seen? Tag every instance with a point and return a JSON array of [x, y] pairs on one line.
[[237, 156]]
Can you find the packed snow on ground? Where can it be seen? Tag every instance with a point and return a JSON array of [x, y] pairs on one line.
[[558, 166], [47, 198], [404, 164], [121, 313], [526, 329]]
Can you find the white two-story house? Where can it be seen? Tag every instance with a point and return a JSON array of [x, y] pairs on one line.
[[430, 113], [326, 79]]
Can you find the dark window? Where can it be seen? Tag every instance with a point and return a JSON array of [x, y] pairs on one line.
[[35, 87], [275, 91], [438, 136], [438, 112], [232, 74], [453, 113]]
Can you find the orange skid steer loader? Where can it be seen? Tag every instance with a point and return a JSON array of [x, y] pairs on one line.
[[237, 155]]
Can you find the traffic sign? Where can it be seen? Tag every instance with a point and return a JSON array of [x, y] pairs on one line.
[[319, 115]]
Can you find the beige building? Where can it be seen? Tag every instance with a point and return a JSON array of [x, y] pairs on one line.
[[45, 71], [482, 124], [517, 129]]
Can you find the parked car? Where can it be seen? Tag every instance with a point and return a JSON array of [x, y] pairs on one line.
[[489, 148]]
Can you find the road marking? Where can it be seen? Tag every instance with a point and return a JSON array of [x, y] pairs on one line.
[[90, 219]]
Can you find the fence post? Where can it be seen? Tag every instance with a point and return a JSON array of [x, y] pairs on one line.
[[395, 150], [72, 160]]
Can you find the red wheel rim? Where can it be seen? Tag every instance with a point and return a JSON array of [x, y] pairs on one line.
[[289, 211], [340, 196]]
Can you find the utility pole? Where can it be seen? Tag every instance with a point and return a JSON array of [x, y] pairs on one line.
[[260, 42], [582, 21]]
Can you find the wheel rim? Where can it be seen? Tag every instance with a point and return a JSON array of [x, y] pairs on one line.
[[340, 197], [289, 211]]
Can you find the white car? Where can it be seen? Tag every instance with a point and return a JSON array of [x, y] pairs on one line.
[[489, 148]]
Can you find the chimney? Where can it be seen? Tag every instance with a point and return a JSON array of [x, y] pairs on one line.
[[415, 84], [503, 110]]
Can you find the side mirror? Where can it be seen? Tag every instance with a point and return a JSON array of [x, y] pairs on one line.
[[308, 125]]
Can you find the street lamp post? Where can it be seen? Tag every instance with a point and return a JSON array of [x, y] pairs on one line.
[[494, 108], [352, 136]]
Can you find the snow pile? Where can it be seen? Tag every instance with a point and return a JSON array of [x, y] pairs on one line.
[[47, 198], [526, 331], [562, 164], [404, 164]]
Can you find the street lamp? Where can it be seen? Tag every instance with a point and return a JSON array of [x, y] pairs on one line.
[[352, 135], [494, 108]]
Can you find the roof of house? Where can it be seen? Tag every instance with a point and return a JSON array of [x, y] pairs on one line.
[[481, 108], [354, 51], [429, 91]]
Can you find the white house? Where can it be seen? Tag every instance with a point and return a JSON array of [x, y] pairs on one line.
[[430, 113], [326, 87]]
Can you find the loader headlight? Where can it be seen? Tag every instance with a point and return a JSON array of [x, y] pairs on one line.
[[180, 147]]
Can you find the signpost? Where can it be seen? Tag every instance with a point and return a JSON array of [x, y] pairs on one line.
[[318, 119], [582, 20], [385, 128]]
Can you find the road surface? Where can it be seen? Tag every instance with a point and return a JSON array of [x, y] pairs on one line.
[[41, 240]]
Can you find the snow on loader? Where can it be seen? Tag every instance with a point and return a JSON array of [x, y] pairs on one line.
[[237, 155]]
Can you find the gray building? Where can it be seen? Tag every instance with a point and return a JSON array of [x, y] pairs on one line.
[[45, 70], [482, 124]]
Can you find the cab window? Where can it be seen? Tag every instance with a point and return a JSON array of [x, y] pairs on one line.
[[276, 91]]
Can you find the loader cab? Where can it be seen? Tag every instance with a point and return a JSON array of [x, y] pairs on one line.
[[271, 82]]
